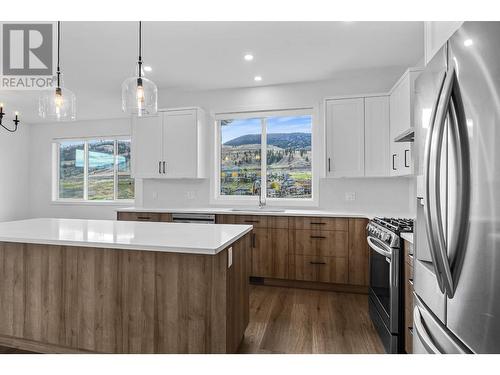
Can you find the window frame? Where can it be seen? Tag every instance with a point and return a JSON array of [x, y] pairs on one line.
[[56, 142], [218, 198]]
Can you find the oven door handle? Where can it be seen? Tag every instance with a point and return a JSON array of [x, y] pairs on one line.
[[391, 258], [379, 247]]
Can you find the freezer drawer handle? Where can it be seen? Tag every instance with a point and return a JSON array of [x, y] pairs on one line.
[[422, 333]]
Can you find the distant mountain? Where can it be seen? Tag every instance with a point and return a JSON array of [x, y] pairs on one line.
[[281, 140]]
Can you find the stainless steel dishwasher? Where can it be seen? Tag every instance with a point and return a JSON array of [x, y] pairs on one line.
[[193, 218]]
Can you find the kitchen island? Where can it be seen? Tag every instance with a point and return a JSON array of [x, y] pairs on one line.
[[99, 286]]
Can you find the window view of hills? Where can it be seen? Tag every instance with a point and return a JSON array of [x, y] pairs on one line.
[[99, 160], [288, 161]]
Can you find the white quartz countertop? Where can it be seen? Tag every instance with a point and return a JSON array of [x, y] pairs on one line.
[[270, 212], [129, 235], [407, 237]]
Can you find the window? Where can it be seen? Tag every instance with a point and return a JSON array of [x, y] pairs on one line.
[[285, 137], [93, 170]]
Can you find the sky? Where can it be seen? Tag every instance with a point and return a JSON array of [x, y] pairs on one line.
[[284, 124]]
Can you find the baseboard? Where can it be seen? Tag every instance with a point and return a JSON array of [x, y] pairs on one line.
[[359, 289]]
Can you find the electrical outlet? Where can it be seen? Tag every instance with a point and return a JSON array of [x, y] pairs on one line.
[[229, 257], [190, 195], [350, 196]]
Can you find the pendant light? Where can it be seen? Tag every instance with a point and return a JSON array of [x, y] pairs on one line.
[[58, 103], [139, 94]]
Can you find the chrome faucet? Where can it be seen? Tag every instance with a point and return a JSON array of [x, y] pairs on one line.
[[262, 201]]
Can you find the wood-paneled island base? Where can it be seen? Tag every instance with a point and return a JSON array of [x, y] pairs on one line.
[[70, 299]]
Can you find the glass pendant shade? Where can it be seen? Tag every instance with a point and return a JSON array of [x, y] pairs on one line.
[[58, 104], [139, 96]]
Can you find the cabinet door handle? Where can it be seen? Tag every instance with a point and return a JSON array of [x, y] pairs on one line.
[[406, 164], [164, 167], [329, 165], [393, 161], [318, 237], [159, 167], [318, 263], [254, 241]]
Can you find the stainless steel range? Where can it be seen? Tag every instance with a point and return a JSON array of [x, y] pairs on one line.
[[386, 291]]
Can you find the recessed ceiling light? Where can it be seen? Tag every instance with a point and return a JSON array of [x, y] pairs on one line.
[[257, 78], [147, 68], [248, 57], [468, 42]]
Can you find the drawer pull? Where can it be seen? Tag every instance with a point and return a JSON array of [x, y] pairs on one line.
[[313, 223], [143, 218], [252, 221], [318, 237], [318, 263]]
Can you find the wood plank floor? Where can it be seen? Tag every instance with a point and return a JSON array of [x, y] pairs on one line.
[[287, 320]]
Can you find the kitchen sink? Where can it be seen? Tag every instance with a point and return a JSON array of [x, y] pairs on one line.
[[264, 209]]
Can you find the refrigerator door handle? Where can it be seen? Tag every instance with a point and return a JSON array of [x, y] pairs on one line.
[[422, 334], [430, 187], [460, 138], [442, 114]]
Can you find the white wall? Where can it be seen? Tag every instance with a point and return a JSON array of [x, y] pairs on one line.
[[41, 137], [14, 160], [379, 196], [375, 195]]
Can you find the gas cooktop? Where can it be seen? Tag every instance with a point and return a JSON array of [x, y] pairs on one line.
[[397, 225]]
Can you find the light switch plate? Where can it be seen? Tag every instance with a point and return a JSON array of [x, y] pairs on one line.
[[229, 257]]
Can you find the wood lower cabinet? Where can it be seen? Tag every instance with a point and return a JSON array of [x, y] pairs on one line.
[[319, 243], [315, 249], [359, 253], [317, 268], [408, 265], [319, 223], [270, 255]]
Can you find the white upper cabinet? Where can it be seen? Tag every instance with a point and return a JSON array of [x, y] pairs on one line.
[[357, 137], [401, 120], [377, 136], [345, 127], [146, 147], [169, 145]]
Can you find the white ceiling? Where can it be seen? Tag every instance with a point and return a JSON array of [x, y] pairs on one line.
[[98, 56]]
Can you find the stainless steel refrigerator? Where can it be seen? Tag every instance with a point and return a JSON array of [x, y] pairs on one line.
[[457, 232]]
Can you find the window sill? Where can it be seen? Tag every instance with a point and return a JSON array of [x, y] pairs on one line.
[[93, 203]]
